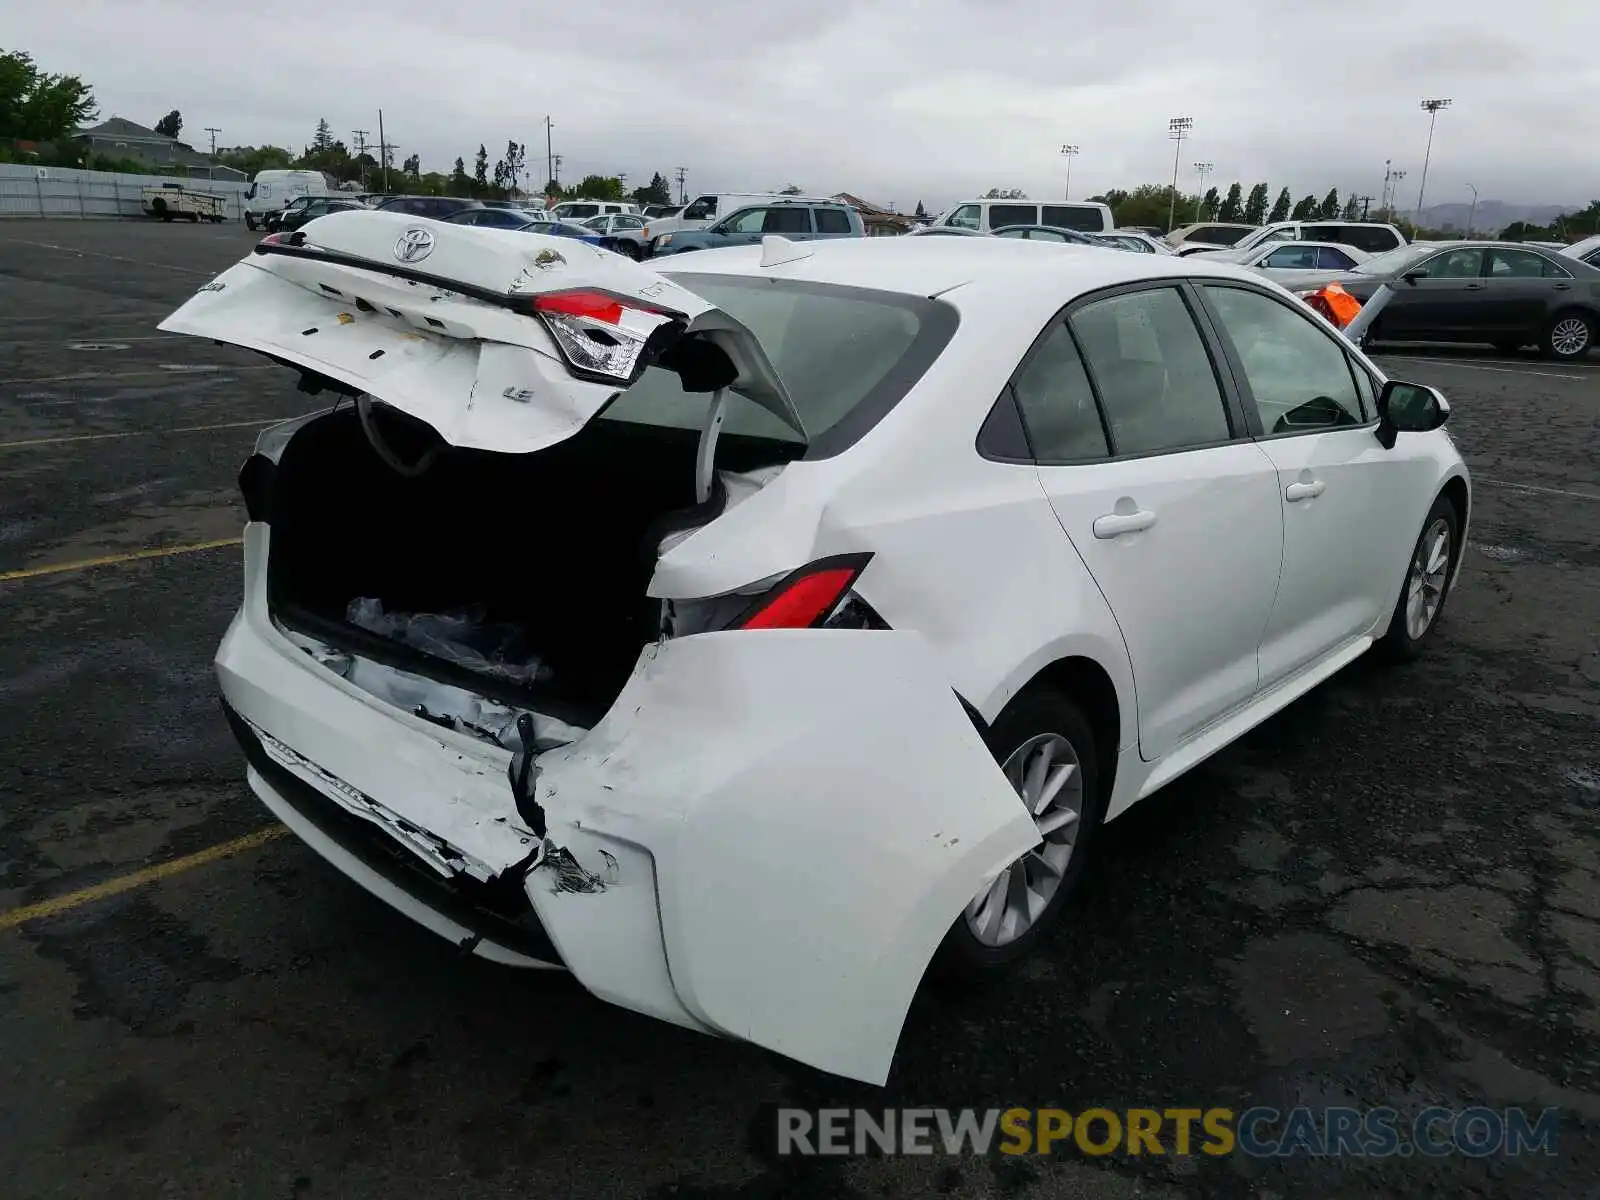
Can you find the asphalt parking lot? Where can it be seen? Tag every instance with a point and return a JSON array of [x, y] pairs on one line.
[[1389, 894]]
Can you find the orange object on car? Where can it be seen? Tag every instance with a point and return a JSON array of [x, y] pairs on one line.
[[1333, 302]]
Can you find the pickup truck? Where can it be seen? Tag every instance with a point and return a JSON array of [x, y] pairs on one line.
[[172, 200]]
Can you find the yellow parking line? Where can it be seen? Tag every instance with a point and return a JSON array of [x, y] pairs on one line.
[[126, 883], [111, 560], [131, 433]]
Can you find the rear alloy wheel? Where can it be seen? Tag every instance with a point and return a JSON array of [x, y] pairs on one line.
[[1427, 584], [1046, 750], [1568, 336]]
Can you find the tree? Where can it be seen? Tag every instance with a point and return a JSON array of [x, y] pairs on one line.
[[657, 191], [1232, 208], [1255, 208], [322, 141], [516, 155], [1352, 208], [500, 185], [1330, 206], [1280, 207], [554, 190], [921, 212], [1148, 204], [38, 106], [413, 166], [459, 183], [1305, 210], [170, 125], [599, 187], [251, 159], [793, 189], [480, 171], [1209, 204]]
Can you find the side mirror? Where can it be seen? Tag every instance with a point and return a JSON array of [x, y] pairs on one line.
[[1411, 277], [1409, 408]]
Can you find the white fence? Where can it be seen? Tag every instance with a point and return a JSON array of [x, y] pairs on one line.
[[27, 191]]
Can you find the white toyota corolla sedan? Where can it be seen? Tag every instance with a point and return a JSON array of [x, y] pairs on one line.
[[743, 637]]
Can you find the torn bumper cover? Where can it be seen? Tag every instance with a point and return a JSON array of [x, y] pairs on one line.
[[766, 837]]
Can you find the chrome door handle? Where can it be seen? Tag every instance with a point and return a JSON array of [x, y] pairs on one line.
[[1303, 491], [1562, 287], [1474, 287], [1116, 524]]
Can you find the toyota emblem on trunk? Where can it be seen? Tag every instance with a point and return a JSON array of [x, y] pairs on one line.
[[413, 245]]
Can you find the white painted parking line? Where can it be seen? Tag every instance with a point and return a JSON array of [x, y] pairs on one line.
[[1466, 366], [133, 433], [1538, 491], [138, 262], [166, 369]]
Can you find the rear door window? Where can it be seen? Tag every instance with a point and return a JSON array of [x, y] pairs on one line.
[[1152, 372], [1074, 216], [790, 218], [1331, 259], [1001, 215], [1515, 264], [1292, 258], [1057, 403], [831, 220]]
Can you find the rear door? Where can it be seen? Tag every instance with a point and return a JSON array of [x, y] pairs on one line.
[[1519, 286], [792, 221], [1312, 404], [1143, 453]]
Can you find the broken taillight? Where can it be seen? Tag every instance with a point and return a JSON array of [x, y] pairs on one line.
[[602, 335]]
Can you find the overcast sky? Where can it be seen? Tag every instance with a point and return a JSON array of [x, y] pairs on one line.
[[931, 100]]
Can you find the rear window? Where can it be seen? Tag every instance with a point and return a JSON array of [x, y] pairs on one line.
[[577, 212], [845, 355], [1001, 215], [1219, 235], [1074, 216]]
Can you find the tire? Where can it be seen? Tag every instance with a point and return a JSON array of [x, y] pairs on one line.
[[1569, 336], [1405, 641], [1038, 713], [629, 250]]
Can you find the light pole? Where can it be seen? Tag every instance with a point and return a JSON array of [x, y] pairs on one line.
[[213, 131], [1202, 169], [1069, 153], [1177, 129], [1473, 211], [1431, 107]]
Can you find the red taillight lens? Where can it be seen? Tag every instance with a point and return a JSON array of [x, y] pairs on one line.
[[804, 599], [597, 306]]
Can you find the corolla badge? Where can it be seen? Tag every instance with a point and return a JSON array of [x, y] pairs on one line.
[[413, 245]]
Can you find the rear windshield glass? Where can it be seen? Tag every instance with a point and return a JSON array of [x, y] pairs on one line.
[[845, 355]]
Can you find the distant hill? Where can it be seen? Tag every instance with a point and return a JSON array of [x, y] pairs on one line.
[[1491, 216]]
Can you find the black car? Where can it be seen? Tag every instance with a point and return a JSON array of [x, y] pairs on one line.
[[273, 221], [491, 217], [318, 206], [1498, 293], [1047, 233], [437, 207]]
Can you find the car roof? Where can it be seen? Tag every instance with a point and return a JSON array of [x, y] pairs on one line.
[[983, 269]]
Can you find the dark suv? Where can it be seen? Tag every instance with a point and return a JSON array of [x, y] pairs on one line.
[[437, 207], [797, 220]]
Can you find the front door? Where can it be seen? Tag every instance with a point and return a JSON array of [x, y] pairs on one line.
[[1174, 513], [1336, 483], [1443, 302]]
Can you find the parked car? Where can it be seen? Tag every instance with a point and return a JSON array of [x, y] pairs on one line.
[[1047, 233], [437, 207], [626, 231], [706, 209], [566, 229], [1210, 233], [864, 592], [274, 219], [578, 211], [270, 191], [1368, 236], [317, 206], [988, 215], [944, 231], [797, 220], [1274, 258], [1588, 250], [1502, 294], [1137, 240], [493, 218]]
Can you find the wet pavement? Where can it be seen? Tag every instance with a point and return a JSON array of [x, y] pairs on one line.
[[1387, 895]]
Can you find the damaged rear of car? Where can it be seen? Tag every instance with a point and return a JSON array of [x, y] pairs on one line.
[[465, 672]]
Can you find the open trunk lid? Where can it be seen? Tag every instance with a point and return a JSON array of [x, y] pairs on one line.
[[498, 340]]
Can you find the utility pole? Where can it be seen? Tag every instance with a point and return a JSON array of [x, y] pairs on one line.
[[1177, 129], [683, 196], [213, 131], [383, 152], [549, 154], [622, 178], [1473, 211], [557, 175], [1069, 153], [359, 136], [1431, 107], [1202, 169], [1363, 201]]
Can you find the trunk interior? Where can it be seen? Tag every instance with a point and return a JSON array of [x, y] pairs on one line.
[[558, 545]]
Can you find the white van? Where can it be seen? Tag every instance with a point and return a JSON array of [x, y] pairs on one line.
[[985, 216], [704, 210], [578, 211], [271, 190]]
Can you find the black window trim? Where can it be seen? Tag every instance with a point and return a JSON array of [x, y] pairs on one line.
[[1241, 380], [1239, 428]]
